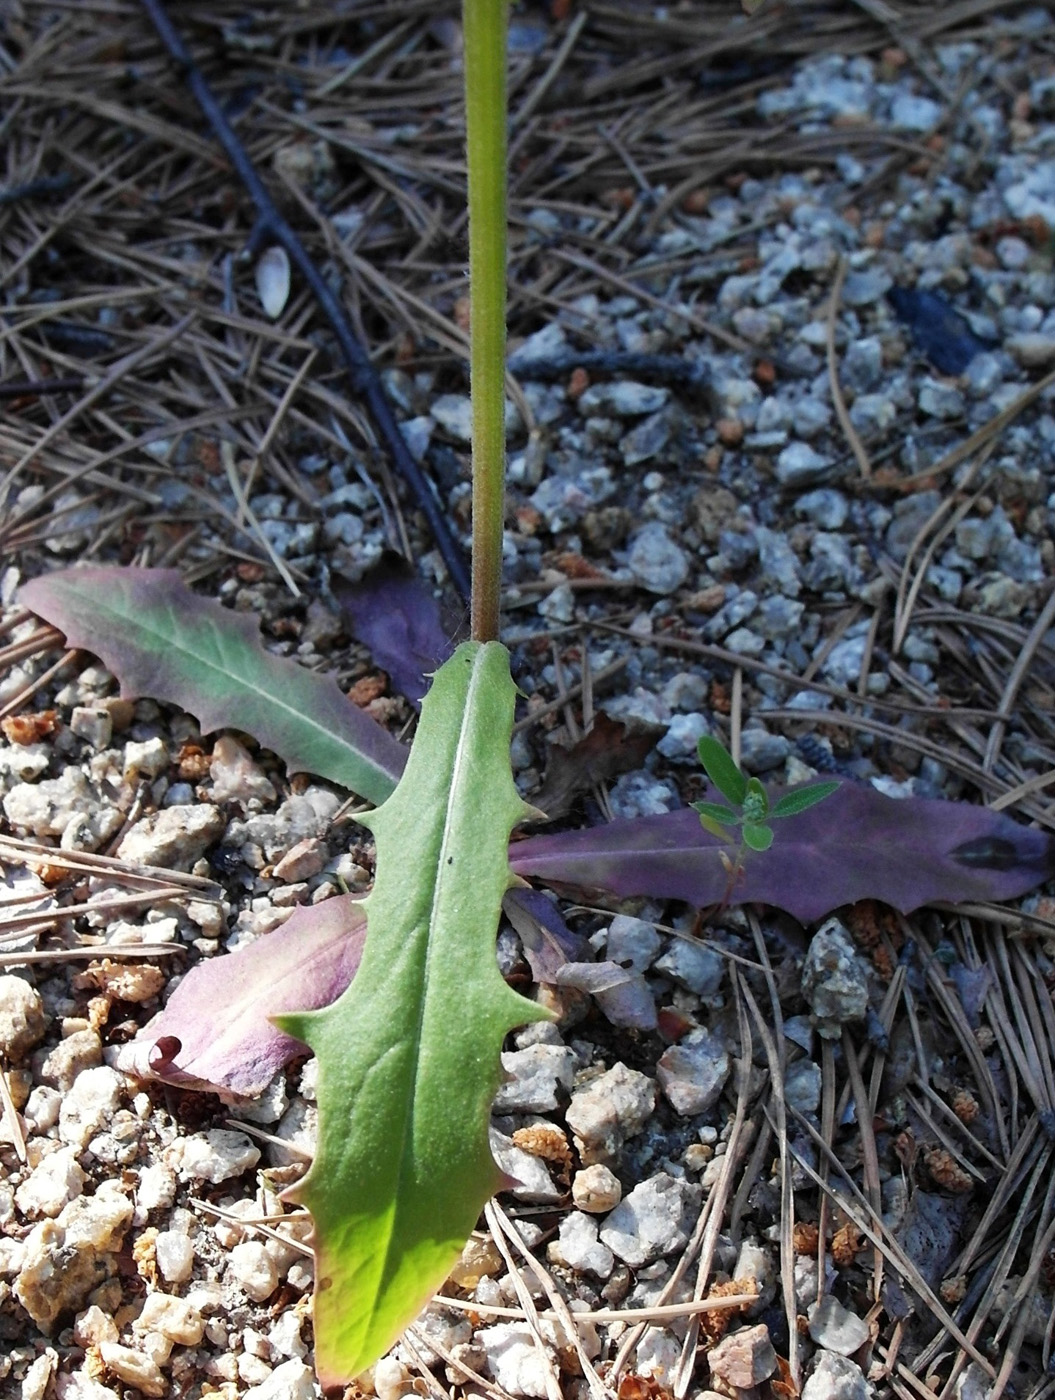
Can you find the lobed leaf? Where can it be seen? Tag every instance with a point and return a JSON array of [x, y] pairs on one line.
[[723, 772], [214, 1033], [162, 640], [409, 1055], [858, 844]]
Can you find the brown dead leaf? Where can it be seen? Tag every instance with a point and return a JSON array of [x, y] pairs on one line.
[[611, 748]]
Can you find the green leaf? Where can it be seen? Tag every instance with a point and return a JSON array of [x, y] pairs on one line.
[[757, 838], [409, 1054], [722, 771], [717, 813], [802, 799], [162, 640], [715, 827]]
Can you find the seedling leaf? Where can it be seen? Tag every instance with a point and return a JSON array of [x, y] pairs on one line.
[[409, 1055], [757, 837], [792, 803], [717, 813], [162, 640], [719, 766]]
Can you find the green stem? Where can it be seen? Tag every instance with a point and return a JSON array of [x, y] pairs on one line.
[[485, 25]]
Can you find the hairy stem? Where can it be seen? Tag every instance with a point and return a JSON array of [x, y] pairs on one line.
[[485, 23]]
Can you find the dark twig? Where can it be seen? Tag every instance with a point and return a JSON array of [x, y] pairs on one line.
[[45, 187], [28, 388], [271, 225]]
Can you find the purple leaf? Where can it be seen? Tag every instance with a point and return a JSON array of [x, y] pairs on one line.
[[214, 1033], [162, 640], [547, 940], [395, 615], [857, 844]]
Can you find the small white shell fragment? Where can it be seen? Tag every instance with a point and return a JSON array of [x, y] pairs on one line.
[[272, 281]]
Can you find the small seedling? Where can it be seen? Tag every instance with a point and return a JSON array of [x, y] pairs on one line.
[[751, 809]]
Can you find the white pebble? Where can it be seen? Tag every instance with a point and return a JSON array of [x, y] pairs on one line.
[[175, 1256], [290, 1381], [89, 1105], [133, 1368], [254, 1269], [57, 1180]]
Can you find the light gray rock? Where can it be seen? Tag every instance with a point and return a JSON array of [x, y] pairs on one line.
[[52, 1184], [834, 979], [76, 1053], [22, 1019], [544, 345], [778, 617], [596, 1189], [692, 1074], [578, 1247], [213, 1156], [626, 398], [656, 562], [866, 286], [779, 563], [47, 808], [453, 412], [694, 966], [175, 1256], [836, 1328], [827, 509], [939, 400], [533, 1182], [514, 1360], [66, 1258], [540, 1076], [802, 1086], [647, 439], [145, 759], [800, 465], [911, 113], [835, 1377], [1032, 350], [253, 1269], [744, 1358], [611, 1108], [290, 1380], [683, 734], [91, 1102], [236, 776], [632, 943], [760, 751], [655, 1219], [175, 837]]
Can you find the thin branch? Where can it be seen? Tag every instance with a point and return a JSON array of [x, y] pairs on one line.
[[271, 225]]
